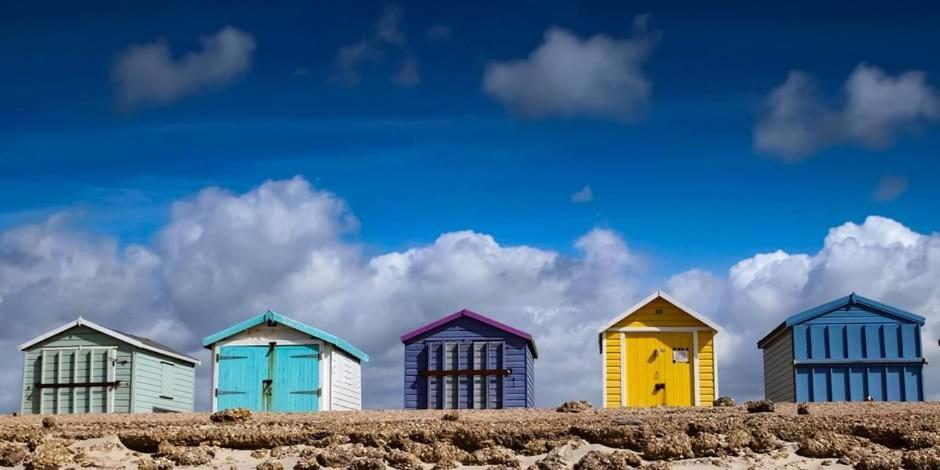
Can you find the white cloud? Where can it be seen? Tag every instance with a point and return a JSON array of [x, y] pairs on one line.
[[386, 40], [879, 258], [148, 74], [795, 123], [288, 246], [890, 187], [585, 194], [600, 77]]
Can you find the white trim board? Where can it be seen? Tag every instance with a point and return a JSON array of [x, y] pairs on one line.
[[661, 295], [109, 332]]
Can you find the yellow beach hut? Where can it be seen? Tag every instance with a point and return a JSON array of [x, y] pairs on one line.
[[659, 353]]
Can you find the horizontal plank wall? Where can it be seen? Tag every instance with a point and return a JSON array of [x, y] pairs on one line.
[[612, 368], [778, 368], [707, 373], [634, 373], [671, 317], [162, 384], [530, 379], [66, 361], [346, 382]]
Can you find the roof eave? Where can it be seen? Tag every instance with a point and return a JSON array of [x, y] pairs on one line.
[[109, 332], [407, 337], [668, 298], [317, 333]]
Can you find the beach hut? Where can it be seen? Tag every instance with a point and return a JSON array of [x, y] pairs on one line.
[[659, 353], [848, 349], [273, 363], [83, 367], [467, 360]]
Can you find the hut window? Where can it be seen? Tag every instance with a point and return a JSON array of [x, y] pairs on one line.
[[680, 355], [166, 380]]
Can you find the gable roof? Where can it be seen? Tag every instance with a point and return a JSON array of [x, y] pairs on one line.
[[134, 340], [661, 295], [475, 316], [271, 316], [851, 299]]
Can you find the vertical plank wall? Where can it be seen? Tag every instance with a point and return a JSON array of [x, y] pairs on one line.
[[517, 389], [60, 400], [851, 354]]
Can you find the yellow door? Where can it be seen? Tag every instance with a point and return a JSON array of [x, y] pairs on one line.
[[659, 369]]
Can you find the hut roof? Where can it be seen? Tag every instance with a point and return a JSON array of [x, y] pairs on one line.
[[134, 340], [851, 299], [661, 295], [475, 316], [272, 317]]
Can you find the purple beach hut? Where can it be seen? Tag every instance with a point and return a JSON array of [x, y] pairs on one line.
[[468, 361]]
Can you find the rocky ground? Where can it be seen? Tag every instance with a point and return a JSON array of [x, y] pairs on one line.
[[860, 435]]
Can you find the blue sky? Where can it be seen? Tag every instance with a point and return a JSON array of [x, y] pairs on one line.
[[439, 156], [681, 180]]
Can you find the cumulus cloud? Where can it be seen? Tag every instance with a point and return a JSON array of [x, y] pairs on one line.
[[288, 246], [566, 76], [148, 74], [291, 247], [890, 187], [796, 123], [879, 258], [585, 194], [387, 39]]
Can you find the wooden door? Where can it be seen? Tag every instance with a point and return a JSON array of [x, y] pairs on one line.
[[296, 378], [242, 371], [659, 369]]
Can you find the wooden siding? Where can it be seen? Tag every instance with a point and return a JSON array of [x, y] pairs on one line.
[[612, 396], [706, 367], [78, 399], [646, 317], [346, 382], [672, 316], [162, 384], [506, 392], [857, 351], [778, 368], [530, 379]]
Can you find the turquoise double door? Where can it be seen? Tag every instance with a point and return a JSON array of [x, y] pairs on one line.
[[269, 378]]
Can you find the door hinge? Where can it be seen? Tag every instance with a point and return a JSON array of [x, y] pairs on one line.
[[217, 357], [216, 392], [320, 391]]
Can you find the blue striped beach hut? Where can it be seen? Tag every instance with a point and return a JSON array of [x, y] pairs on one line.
[[849, 349]]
